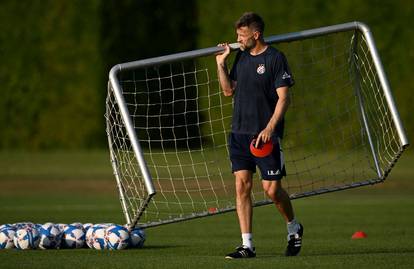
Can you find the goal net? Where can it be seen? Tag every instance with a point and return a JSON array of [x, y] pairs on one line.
[[168, 124]]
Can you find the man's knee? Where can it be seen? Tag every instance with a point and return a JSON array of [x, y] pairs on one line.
[[243, 185], [275, 192]]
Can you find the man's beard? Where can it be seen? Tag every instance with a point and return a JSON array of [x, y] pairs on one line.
[[251, 43]]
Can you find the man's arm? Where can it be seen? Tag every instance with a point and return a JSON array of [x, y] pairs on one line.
[[280, 110], [226, 84]]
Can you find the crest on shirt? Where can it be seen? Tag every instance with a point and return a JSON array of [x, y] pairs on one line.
[[261, 69]]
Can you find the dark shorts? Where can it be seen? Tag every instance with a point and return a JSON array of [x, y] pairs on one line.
[[271, 167]]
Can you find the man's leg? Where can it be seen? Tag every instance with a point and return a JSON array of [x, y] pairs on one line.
[[244, 181], [243, 200], [275, 191]]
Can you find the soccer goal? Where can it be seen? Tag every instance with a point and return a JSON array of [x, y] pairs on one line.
[[167, 124]]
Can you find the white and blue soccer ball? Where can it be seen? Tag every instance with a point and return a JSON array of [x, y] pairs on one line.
[[86, 226], [27, 238], [7, 226], [20, 225], [7, 237], [90, 234], [77, 224], [62, 226], [73, 237], [50, 236], [95, 237], [137, 238], [117, 237]]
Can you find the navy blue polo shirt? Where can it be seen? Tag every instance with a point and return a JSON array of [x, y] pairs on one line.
[[255, 96]]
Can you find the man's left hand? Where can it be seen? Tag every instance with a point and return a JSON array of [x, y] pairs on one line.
[[265, 135]]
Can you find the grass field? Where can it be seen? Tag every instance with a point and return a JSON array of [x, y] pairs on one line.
[[66, 187]]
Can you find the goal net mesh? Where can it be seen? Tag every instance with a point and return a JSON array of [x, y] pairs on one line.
[[182, 121]]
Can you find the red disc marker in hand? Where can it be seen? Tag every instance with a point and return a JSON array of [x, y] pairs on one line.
[[262, 150]]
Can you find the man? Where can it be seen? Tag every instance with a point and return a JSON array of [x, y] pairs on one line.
[[259, 81]]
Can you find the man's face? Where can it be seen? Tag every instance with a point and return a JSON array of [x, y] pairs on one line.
[[246, 37]]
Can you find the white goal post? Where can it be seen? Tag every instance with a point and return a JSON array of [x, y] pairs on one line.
[[167, 124]]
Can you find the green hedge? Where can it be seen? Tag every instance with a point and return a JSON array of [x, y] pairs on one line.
[[50, 74]]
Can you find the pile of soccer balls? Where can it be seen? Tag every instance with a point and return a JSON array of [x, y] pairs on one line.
[[26, 235]]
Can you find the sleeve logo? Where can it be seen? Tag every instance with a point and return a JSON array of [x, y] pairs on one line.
[[285, 75]]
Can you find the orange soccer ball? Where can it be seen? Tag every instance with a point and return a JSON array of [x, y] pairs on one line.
[[262, 150]]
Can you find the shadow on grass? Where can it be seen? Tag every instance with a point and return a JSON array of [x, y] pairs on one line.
[[345, 253], [154, 247], [366, 252]]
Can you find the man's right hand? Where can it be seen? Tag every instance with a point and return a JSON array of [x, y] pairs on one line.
[[222, 56]]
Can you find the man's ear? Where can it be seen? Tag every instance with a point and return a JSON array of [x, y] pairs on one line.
[[256, 35]]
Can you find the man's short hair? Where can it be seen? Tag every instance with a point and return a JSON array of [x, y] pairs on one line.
[[251, 20]]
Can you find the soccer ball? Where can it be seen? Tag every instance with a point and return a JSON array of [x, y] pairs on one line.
[[73, 237], [62, 226], [50, 236], [7, 238], [98, 238], [89, 235], [136, 238], [6, 226], [117, 237], [95, 237], [77, 224], [20, 225], [86, 226], [27, 238]]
